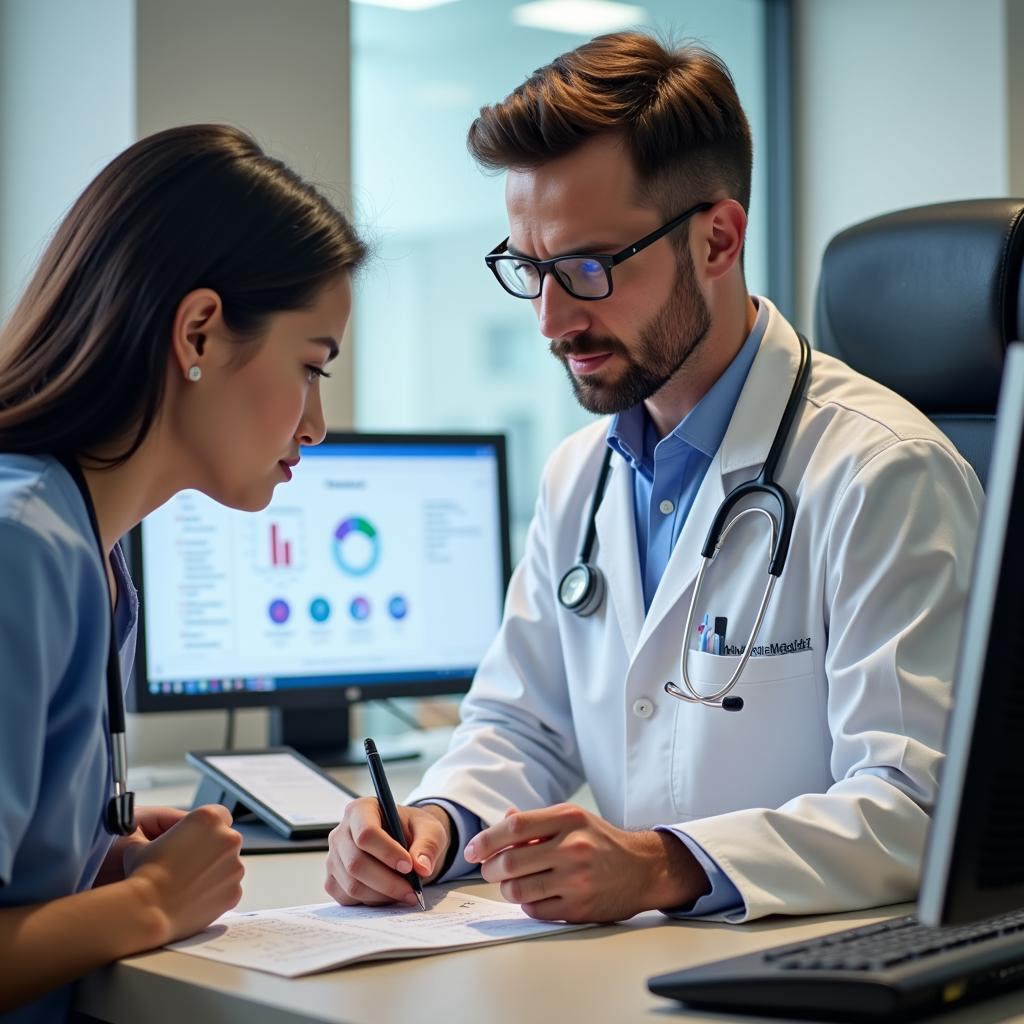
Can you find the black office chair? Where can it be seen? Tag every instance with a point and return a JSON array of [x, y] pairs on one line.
[[925, 302]]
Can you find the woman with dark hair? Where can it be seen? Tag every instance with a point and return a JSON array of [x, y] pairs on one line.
[[173, 337]]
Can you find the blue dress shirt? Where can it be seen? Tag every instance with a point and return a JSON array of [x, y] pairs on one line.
[[55, 775], [667, 475]]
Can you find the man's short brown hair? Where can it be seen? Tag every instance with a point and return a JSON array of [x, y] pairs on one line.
[[676, 109]]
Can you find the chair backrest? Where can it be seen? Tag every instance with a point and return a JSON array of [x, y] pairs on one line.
[[925, 301]]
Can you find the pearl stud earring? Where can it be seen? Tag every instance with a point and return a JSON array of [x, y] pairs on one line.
[[194, 373]]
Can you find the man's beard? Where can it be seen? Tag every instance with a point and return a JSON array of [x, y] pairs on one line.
[[663, 347]]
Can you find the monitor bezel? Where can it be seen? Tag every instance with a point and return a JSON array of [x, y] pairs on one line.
[[949, 893], [348, 689]]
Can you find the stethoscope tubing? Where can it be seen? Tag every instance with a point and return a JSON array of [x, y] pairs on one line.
[[119, 817], [781, 532], [715, 699]]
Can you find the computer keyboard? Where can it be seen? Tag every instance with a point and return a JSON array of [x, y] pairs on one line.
[[878, 971]]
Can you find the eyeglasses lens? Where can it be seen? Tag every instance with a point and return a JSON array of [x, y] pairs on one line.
[[580, 275], [519, 277], [583, 276]]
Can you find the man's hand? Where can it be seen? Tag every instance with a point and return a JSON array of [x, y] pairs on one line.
[[365, 865], [564, 864], [150, 824]]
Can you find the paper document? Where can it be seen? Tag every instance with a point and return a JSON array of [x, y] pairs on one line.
[[301, 940]]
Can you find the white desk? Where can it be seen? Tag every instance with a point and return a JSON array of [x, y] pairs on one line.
[[595, 975]]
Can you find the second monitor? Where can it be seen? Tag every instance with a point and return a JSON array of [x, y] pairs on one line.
[[379, 570]]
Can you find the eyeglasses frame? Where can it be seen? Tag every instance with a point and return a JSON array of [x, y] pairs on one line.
[[544, 267]]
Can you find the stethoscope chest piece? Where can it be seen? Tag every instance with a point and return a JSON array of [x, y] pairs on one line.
[[581, 589]]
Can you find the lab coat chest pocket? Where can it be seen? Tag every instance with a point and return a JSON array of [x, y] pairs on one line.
[[761, 756]]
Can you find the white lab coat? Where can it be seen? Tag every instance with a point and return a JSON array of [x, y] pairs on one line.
[[816, 796]]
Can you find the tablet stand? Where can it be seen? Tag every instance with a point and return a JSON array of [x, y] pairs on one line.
[[257, 835]]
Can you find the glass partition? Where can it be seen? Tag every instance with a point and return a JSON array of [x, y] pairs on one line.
[[439, 346]]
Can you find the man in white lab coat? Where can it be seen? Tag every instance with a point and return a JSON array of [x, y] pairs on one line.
[[628, 181]]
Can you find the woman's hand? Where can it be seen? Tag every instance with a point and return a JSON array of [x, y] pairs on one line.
[[190, 874], [182, 871], [150, 824]]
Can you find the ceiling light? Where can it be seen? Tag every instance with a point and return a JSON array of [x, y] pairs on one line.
[[405, 5], [580, 17]]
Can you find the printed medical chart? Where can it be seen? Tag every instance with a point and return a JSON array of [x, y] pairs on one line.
[[302, 940]]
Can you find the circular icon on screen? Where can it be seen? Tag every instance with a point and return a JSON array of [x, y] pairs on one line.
[[398, 607], [279, 611], [319, 609], [356, 546], [359, 609]]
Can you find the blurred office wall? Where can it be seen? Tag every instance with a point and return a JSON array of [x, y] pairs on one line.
[[439, 345], [67, 105], [278, 70], [900, 103]]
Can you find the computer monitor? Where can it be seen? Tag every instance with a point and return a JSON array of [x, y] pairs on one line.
[[974, 863], [379, 570]]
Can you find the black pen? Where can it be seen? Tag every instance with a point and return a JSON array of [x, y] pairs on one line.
[[389, 812], [721, 625]]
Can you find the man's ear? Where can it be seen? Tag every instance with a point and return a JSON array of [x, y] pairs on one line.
[[198, 314], [721, 242]]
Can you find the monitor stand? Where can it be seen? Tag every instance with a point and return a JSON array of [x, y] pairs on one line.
[[324, 735]]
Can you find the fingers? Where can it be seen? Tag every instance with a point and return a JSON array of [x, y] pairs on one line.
[[430, 830], [367, 830], [361, 878], [520, 827], [201, 837], [519, 861], [133, 846], [554, 909], [364, 864], [532, 888], [211, 813], [155, 821], [192, 873]]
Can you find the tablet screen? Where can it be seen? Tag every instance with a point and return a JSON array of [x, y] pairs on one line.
[[291, 789]]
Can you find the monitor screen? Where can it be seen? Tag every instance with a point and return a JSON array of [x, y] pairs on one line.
[[378, 570], [974, 864]]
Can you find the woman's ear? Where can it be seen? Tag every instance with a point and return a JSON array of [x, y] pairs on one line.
[[198, 315], [722, 242]]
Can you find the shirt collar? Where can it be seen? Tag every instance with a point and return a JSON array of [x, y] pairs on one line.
[[705, 424]]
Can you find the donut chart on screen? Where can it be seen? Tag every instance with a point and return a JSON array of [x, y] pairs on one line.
[[356, 546]]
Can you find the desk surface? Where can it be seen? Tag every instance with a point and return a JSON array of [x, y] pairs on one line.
[[594, 975]]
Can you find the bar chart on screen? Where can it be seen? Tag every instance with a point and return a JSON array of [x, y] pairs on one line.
[[280, 549], [276, 540]]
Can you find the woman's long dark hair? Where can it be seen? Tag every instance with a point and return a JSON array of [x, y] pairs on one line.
[[83, 356]]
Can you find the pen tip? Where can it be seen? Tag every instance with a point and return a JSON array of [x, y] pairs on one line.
[[423, 902]]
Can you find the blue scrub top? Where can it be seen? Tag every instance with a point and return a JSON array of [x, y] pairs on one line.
[[55, 775]]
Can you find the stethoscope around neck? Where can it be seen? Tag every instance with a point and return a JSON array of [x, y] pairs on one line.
[[119, 817], [582, 589]]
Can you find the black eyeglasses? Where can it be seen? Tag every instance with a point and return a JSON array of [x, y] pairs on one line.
[[583, 276]]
